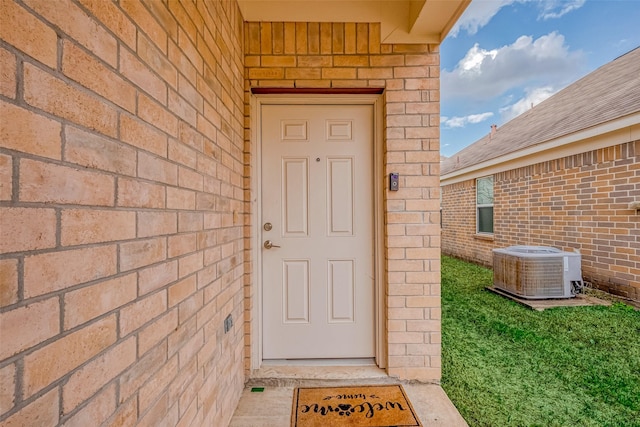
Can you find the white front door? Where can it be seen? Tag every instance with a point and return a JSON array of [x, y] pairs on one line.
[[317, 212]]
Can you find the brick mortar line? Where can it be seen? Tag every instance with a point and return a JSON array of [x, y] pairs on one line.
[[117, 243], [22, 302], [18, 155], [18, 391], [19, 404], [58, 74]]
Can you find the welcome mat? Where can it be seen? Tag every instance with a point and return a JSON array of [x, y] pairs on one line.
[[361, 406]]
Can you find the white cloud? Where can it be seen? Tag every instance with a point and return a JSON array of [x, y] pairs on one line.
[[482, 74], [552, 9], [532, 98], [477, 118], [472, 61], [480, 12], [477, 15], [460, 122]]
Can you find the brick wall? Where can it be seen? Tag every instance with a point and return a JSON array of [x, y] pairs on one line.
[[322, 55], [122, 212], [576, 202], [459, 236]]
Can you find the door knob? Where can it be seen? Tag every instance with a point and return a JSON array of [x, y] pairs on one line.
[[268, 244]]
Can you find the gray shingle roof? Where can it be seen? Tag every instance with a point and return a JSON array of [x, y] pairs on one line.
[[608, 93]]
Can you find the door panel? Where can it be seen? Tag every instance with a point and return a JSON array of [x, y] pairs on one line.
[[340, 196], [341, 291], [317, 193], [295, 196], [295, 281]]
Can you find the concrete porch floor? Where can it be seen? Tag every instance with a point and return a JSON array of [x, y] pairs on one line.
[[272, 407]]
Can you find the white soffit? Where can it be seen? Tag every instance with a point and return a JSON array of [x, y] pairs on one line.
[[401, 21]]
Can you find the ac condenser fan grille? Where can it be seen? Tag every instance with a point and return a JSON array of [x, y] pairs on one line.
[[541, 277]]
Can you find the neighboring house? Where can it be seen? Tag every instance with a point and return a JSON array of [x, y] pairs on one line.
[[190, 188], [565, 174]]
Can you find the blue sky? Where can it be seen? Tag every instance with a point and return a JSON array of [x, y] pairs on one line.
[[504, 55]]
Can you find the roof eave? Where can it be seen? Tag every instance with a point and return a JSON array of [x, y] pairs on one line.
[[623, 129]]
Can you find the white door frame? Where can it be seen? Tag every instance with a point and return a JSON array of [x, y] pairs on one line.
[[257, 101]]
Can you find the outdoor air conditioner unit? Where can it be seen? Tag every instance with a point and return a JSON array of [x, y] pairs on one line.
[[537, 272]]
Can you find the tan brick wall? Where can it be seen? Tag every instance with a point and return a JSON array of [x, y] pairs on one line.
[[121, 212], [459, 237], [350, 55], [576, 202]]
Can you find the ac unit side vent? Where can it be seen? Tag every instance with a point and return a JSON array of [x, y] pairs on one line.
[[536, 272]]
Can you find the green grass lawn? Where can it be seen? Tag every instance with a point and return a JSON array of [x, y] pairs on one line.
[[507, 365]]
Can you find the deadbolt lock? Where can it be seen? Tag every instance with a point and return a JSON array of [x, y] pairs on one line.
[[267, 226]]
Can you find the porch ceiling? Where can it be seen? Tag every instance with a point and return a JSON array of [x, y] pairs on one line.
[[401, 21]]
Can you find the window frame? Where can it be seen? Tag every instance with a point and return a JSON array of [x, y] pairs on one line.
[[484, 205]]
